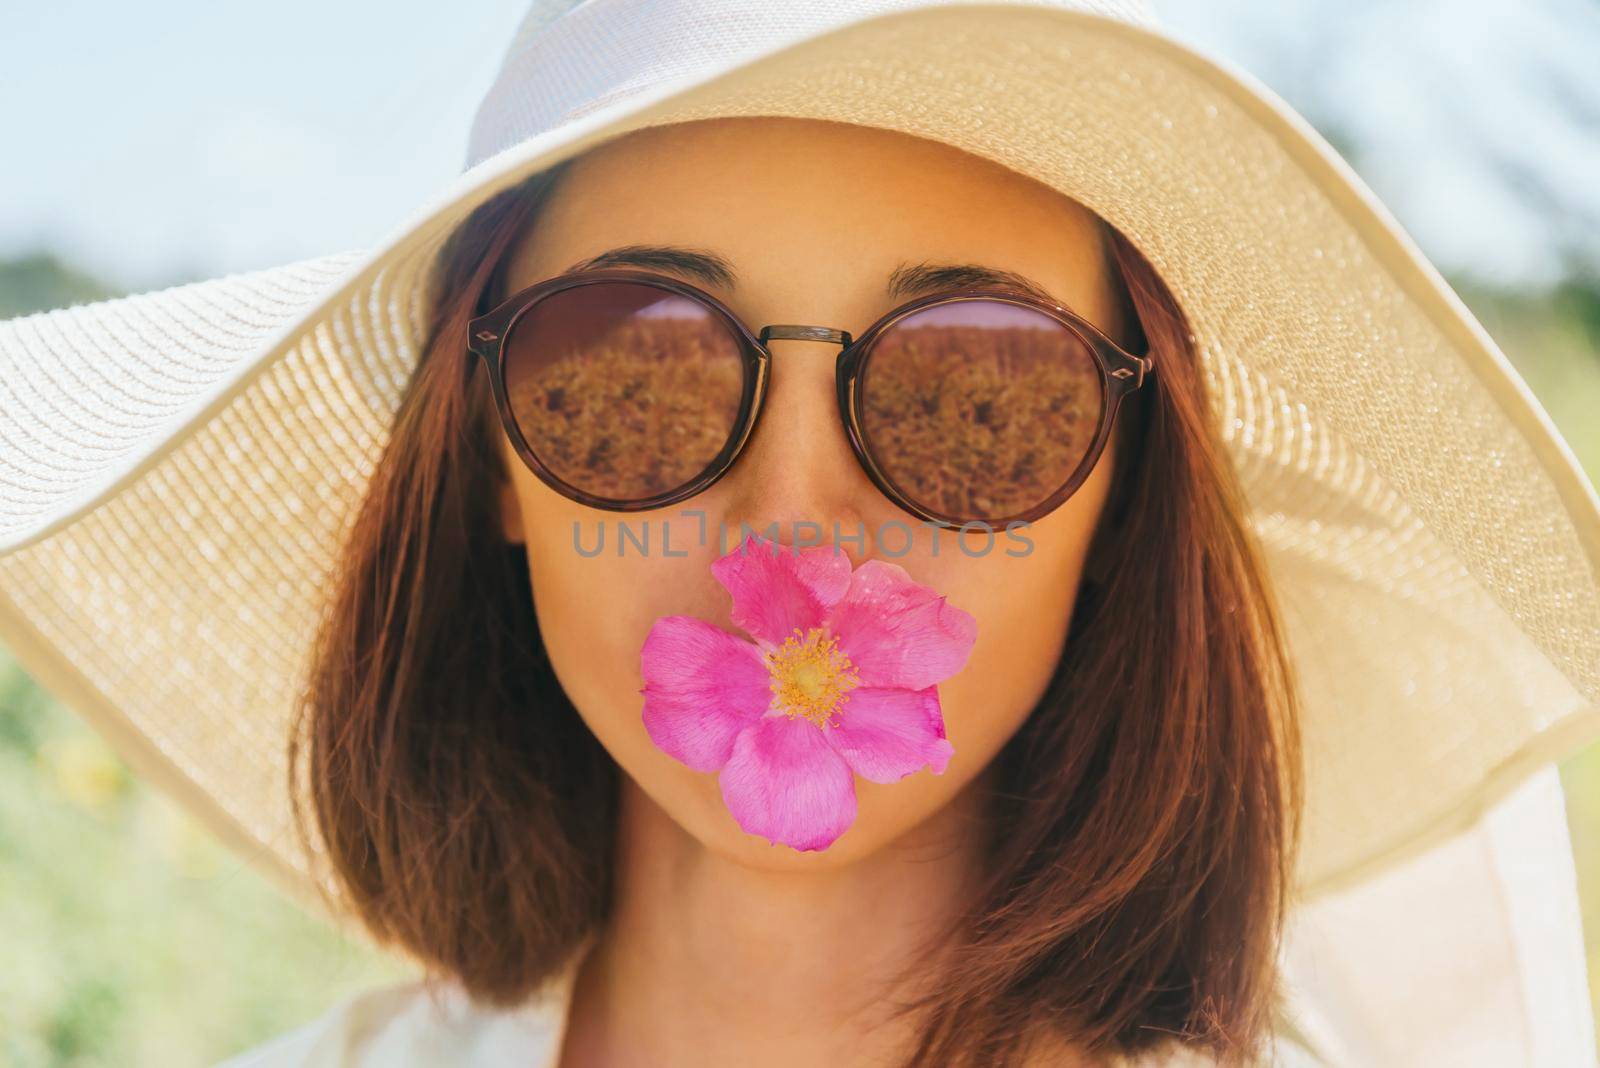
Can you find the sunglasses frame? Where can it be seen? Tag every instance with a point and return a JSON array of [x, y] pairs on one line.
[[1121, 373]]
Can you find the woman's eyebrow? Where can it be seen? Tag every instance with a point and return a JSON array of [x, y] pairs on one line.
[[910, 280], [706, 267], [905, 281]]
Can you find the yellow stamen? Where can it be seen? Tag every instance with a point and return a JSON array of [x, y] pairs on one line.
[[811, 676]]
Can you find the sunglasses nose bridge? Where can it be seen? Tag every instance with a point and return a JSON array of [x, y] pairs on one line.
[[798, 332]]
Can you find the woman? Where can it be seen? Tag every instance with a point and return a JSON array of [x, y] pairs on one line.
[[1162, 867], [922, 793]]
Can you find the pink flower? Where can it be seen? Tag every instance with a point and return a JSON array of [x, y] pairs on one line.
[[840, 681]]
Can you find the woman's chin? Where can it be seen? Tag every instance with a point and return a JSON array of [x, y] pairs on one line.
[[885, 814]]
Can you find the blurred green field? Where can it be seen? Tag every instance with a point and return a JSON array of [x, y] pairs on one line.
[[131, 938]]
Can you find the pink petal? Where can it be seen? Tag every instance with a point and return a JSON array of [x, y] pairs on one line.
[[776, 588], [786, 784], [886, 734], [702, 687], [898, 633]]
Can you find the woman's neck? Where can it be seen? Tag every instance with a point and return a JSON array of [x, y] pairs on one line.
[[708, 961]]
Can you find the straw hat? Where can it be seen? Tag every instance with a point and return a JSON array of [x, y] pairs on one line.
[[176, 467]]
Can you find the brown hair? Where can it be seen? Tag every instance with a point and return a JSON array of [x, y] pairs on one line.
[[1145, 815]]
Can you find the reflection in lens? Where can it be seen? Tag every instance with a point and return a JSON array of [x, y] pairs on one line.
[[980, 409], [623, 390]]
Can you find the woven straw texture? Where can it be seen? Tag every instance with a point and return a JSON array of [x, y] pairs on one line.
[[176, 468]]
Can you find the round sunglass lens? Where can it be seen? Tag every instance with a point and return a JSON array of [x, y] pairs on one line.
[[980, 409], [623, 391]]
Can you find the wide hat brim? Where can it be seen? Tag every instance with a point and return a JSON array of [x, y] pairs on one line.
[[177, 467]]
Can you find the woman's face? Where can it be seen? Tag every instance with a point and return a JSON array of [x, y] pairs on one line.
[[812, 219]]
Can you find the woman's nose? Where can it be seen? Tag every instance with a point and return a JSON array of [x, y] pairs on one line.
[[797, 467]]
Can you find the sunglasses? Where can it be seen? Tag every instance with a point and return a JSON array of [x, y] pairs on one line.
[[626, 390]]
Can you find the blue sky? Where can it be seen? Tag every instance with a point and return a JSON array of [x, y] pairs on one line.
[[174, 138], [165, 137]]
